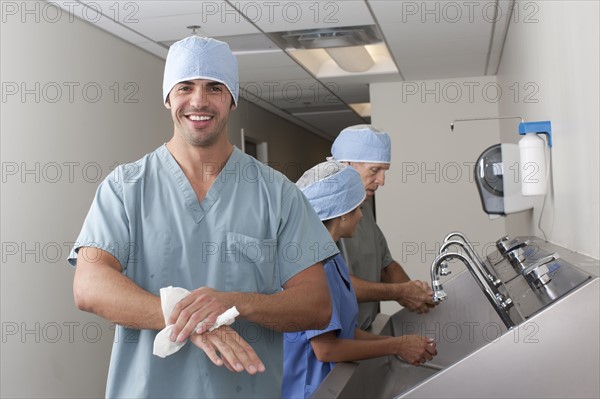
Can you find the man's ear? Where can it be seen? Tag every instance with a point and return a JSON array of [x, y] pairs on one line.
[[168, 103]]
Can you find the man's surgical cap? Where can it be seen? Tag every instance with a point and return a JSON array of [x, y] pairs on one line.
[[201, 58], [332, 188], [362, 143]]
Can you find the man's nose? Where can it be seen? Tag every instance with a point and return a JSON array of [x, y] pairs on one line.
[[380, 178], [198, 98]]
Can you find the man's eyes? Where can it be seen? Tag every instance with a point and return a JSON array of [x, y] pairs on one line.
[[210, 89]]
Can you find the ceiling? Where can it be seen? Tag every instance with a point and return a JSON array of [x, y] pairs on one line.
[[419, 41]]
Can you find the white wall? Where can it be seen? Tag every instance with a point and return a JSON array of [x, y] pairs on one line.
[[429, 189], [54, 151], [552, 55]]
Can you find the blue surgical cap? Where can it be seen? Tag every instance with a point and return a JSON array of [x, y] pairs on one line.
[[362, 143], [332, 188], [198, 57]]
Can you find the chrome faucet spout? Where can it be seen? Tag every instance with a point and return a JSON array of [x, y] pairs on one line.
[[466, 245], [435, 272], [464, 239], [497, 301]]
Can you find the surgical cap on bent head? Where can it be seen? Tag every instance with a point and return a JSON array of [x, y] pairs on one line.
[[201, 58], [362, 143], [332, 188]]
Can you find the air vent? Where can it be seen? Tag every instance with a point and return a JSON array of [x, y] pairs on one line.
[[328, 38]]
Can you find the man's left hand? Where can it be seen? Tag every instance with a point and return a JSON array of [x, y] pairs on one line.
[[224, 346]]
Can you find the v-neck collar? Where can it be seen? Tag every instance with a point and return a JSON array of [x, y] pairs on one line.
[[198, 209]]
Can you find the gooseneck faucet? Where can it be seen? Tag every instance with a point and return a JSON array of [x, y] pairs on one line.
[[476, 260], [472, 253], [439, 294]]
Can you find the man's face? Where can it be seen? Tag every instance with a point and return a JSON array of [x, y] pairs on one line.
[[200, 110], [372, 174]]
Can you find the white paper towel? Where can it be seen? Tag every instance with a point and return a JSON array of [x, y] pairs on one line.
[[169, 296]]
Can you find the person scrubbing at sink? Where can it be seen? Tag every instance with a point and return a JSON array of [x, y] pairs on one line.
[[336, 191]]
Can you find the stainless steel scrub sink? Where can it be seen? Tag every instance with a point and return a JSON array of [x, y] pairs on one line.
[[460, 325], [488, 349], [382, 377]]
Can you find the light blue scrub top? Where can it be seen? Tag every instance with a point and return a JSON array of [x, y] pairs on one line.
[[302, 371], [251, 233]]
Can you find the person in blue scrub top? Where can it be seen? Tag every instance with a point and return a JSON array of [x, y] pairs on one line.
[[199, 215], [376, 276], [336, 192]]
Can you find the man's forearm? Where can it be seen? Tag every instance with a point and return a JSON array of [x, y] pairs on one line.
[[369, 291], [304, 304], [99, 287], [394, 273]]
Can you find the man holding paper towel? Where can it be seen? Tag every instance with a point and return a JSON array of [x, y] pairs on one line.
[[210, 229]]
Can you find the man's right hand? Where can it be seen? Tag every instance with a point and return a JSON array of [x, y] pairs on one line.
[[415, 295], [224, 346], [197, 312]]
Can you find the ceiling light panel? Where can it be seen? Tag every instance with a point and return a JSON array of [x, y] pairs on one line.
[[327, 38], [295, 93]]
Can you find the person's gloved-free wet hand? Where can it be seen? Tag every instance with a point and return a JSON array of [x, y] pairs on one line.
[[224, 346]]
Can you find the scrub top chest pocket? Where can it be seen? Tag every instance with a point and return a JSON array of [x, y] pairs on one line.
[[250, 264]]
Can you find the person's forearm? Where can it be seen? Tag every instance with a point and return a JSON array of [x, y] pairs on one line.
[[100, 288], [369, 291], [367, 336], [351, 350], [394, 273], [304, 304]]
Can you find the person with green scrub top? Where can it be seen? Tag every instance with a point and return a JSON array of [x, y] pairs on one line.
[[336, 192], [200, 216], [376, 276]]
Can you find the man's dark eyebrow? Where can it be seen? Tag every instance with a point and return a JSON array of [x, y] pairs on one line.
[[191, 83]]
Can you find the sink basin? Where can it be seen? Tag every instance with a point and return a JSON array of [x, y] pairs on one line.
[[457, 330], [478, 356]]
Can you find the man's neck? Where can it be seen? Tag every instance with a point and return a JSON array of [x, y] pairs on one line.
[[201, 165]]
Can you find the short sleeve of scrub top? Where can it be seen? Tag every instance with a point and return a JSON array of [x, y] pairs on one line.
[[302, 371]]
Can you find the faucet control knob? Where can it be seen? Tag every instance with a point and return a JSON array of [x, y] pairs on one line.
[[504, 302], [516, 256], [538, 272], [506, 245], [501, 243], [496, 282], [539, 276], [444, 269]]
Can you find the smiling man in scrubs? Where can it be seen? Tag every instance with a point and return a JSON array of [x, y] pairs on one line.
[[199, 214]]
